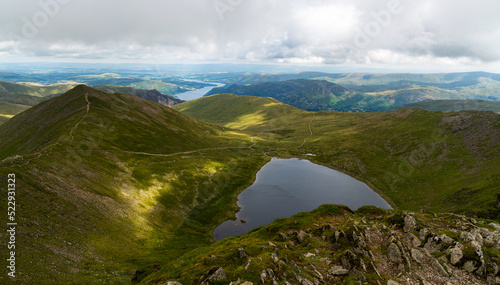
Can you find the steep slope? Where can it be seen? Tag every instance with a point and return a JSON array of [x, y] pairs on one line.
[[332, 245], [455, 105], [112, 183], [311, 95], [151, 95], [416, 159]]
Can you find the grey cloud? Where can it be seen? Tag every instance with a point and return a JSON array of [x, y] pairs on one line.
[[256, 30]]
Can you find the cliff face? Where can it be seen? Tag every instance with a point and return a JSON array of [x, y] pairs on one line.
[[333, 245]]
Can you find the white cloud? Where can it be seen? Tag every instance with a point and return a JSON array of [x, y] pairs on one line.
[[391, 32]]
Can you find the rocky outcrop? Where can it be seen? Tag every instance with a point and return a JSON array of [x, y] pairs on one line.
[[418, 248]]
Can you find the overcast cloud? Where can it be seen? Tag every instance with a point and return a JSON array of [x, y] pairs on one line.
[[361, 32]]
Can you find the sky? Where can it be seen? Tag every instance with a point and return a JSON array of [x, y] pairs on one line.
[[409, 35]]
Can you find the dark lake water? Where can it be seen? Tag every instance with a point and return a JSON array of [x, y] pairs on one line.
[[285, 187], [198, 93]]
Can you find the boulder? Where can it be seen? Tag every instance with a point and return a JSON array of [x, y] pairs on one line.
[[456, 255], [393, 253], [173, 283], [301, 236], [410, 223], [219, 275], [417, 255], [470, 266], [338, 270], [411, 240]]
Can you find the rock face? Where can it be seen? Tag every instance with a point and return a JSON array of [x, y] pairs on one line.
[[354, 248]]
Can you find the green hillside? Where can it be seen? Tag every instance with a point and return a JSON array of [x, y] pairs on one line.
[[455, 105], [416, 159], [112, 183]]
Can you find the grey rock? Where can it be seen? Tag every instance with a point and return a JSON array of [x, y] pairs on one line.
[[274, 257], [282, 236], [456, 255], [392, 282], [411, 240], [270, 273], [263, 276], [410, 223], [470, 266], [338, 270], [303, 281], [496, 226], [247, 283], [393, 253], [326, 260], [301, 236], [439, 268], [248, 264], [423, 233], [173, 283], [242, 253], [218, 275]]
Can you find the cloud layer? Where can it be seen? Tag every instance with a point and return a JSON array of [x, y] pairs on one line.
[[347, 32]]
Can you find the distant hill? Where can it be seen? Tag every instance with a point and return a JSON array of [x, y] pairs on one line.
[[151, 95], [310, 95], [361, 92], [455, 105]]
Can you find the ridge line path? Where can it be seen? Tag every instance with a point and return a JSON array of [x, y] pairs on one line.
[[310, 130], [39, 153], [88, 109]]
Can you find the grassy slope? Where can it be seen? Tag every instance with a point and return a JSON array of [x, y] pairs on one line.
[[416, 159], [455, 105], [133, 184]]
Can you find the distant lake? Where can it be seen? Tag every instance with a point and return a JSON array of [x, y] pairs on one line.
[[198, 93], [285, 187]]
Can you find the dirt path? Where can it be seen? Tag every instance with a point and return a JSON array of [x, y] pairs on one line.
[[310, 131], [88, 109]]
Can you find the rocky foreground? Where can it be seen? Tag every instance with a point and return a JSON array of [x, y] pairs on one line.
[[333, 245]]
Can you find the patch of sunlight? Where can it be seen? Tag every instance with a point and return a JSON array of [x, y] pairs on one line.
[[212, 167], [246, 121], [6, 116], [143, 202]]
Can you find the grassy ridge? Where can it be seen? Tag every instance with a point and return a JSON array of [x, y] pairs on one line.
[[416, 159]]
